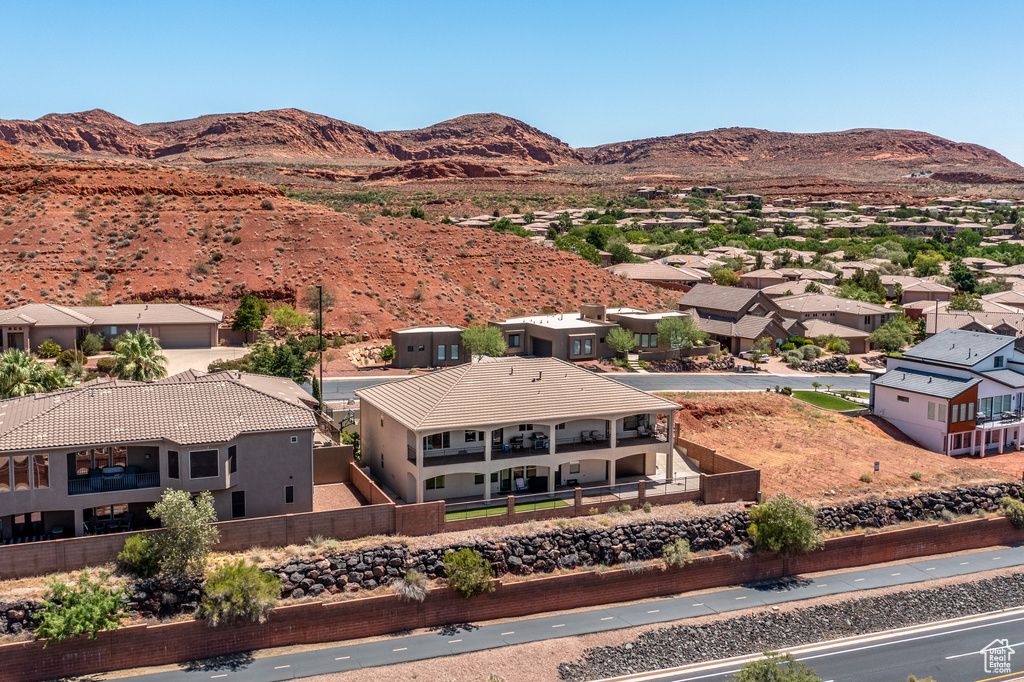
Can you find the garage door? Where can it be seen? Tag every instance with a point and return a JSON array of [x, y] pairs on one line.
[[541, 348], [185, 336]]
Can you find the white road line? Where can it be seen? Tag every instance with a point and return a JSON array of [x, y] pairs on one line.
[[974, 653], [964, 563], [895, 574], [654, 611], [608, 618], [699, 604], [278, 667], [930, 569], [860, 580], [453, 641], [996, 558], [404, 648], [508, 633], [342, 658], [823, 585], [560, 625], [213, 677], [738, 598]]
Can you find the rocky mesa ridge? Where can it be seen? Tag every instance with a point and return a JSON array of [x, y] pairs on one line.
[[483, 138]]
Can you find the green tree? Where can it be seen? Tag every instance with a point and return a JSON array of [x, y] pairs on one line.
[[621, 340], [962, 276], [289, 359], [927, 263], [238, 591], [759, 350], [311, 296], [785, 525], [564, 222], [468, 572], [92, 344], [250, 314], [964, 302], [620, 253], [725, 277], [894, 335], [137, 357], [776, 667], [185, 544], [387, 354], [21, 374], [573, 244], [483, 339], [681, 331], [86, 607], [289, 318]]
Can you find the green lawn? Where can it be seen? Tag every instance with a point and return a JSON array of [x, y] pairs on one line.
[[825, 401], [497, 511]]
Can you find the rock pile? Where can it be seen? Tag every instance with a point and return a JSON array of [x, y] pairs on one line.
[[691, 365], [163, 597], [836, 363], [18, 616]]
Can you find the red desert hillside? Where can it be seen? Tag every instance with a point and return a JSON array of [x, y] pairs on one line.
[[130, 230]]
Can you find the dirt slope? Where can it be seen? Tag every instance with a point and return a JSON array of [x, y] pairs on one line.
[[131, 230]]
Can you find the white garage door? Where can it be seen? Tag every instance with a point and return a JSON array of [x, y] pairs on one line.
[[185, 336]]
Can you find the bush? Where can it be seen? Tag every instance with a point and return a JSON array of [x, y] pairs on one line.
[[468, 572], [786, 390], [866, 478], [810, 352], [776, 668], [1013, 510], [105, 365], [787, 346], [140, 556], [916, 475], [84, 608], [839, 346], [92, 344], [647, 507], [71, 357], [413, 587], [793, 359], [239, 591], [48, 349], [783, 524], [267, 205], [625, 508], [677, 553], [185, 544]]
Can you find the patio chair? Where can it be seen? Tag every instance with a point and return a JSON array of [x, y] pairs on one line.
[[587, 436], [597, 436], [642, 432], [521, 485]]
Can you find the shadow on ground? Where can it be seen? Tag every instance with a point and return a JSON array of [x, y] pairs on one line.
[[232, 662]]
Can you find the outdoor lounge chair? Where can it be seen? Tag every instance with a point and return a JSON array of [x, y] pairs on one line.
[[587, 436], [642, 432], [520, 485], [597, 436]]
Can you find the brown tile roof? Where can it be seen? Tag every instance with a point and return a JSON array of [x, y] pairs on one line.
[[504, 391], [811, 303], [653, 271], [210, 409], [50, 315], [728, 299]]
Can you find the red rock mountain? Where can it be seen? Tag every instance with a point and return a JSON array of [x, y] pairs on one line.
[[766, 150]]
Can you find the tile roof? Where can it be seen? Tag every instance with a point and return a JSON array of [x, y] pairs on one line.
[[816, 303], [209, 409], [654, 271], [818, 327], [506, 390], [795, 288], [51, 315], [959, 347], [730, 299], [926, 383], [959, 319]]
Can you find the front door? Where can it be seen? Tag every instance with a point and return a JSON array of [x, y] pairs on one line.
[[16, 340]]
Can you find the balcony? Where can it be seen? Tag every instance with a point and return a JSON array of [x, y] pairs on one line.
[[442, 456], [113, 482], [592, 441]]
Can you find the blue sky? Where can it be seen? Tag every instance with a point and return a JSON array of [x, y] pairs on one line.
[[587, 72]]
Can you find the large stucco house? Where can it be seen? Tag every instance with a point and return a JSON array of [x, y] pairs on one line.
[[508, 425], [95, 457]]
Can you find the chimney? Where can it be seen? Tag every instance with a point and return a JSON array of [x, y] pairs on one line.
[[540, 375]]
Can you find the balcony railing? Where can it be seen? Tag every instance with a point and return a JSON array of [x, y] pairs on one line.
[[107, 484], [442, 456], [578, 443]]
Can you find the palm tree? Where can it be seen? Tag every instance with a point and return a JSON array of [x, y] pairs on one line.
[[21, 374], [137, 357]]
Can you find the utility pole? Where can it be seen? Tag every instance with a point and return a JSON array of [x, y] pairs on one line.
[[320, 292]]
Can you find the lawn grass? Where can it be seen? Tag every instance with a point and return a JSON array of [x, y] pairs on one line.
[[497, 511], [825, 401]]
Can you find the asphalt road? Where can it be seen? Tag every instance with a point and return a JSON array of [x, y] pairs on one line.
[[953, 651], [467, 638], [341, 389]]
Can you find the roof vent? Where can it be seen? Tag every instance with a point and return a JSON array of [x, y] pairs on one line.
[[929, 380]]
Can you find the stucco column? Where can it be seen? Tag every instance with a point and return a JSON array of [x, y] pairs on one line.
[[419, 468], [488, 435], [1002, 437], [1017, 447], [611, 472], [670, 456], [78, 529], [979, 442], [613, 425]]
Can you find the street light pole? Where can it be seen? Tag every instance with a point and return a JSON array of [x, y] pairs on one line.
[[320, 292]]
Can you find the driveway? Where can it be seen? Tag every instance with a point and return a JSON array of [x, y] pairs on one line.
[[180, 359]]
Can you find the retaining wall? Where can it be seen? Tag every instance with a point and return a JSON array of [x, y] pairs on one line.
[[312, 623]]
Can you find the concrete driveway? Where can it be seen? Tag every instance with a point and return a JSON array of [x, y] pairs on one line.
[[180, 359]]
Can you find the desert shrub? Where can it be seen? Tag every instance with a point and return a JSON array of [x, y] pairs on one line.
[[784, 524], [413, 587], [140, 556], [625, 508], [776, 668], [787, 346], [1013, 510], [92, 344], [48, 349], [71, 357], [810, 352], [866, 478], [647, 507], [916, 475], [417, 212], [839, 346], [105, 365], [267, 205], [239, 591], [82, 608], [185, 544], [786, 390], [468, 572], [947, 516], [593, 511], [793, 359], [677, 553]]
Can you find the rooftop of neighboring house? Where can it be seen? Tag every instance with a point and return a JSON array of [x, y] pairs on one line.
[[958, 319], [818, 303], [506, 390], [795, 288], [727, 299], [926, 383], [988, 306], [567, 320], [186, 409], [960, 348], [419, 330], [51, 315], [655, 271], [817, 327]]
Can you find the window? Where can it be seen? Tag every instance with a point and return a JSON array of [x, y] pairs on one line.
[[436, 483], [202, 463], [440, 353], [970, 412], [577, 347], [902, 399], [494, 477], [942, 413], [560, 427], [957, 441], [588, 346], [408, 349], [232, 459], [931, 411], [474, 436], [238, 504], [963, 412], [40, 471], [478, 479], [172, 464], [289, 494], [867, 319], [422, 348], [513, 340], [645, 340], [20, 464], [295, 439], [998, 361], [654, 341], [437, 441], [954, 414], [985, 407], [601, 340], [5, 474], [455, 352], [574, 467], [526, 427], [382, 460]]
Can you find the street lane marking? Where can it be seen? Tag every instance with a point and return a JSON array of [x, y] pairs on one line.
[[608, 618], [738, 598], [342, 658], [654, 611], [823, 585], [996, 558], [699, 604], [998, 677], [404, 648], [964, 563], [508, 633], [561, 625], [213, 677], [930, 569], [278, 667], [860, 580], [897, 574], [972, 653], [453, 641]]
